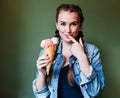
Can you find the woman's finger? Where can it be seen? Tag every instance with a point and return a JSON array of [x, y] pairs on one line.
[[43, 62], [72, 39], [80, 41], [41, 58]]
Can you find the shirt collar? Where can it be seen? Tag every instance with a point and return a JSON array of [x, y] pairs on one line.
[[59, 50]]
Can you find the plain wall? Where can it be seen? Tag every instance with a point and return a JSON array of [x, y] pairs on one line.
[[24, 23]]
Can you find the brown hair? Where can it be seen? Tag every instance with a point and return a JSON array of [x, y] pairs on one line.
[[71, 8]]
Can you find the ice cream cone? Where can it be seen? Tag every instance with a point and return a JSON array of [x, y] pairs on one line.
[[50, 46], [51, 53]]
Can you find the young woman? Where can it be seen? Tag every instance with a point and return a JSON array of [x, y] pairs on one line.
[[76, 71]]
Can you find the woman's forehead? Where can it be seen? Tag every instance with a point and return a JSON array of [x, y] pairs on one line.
[[67, 16]]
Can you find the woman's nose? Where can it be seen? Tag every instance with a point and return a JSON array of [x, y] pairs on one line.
[[68, 29]]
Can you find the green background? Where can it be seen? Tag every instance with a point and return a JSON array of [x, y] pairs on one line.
[[24, 23]]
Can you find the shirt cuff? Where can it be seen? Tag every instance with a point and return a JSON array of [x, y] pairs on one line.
[[89, 77], [43, 90]]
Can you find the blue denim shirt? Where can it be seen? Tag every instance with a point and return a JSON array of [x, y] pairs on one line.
[[90, 85]]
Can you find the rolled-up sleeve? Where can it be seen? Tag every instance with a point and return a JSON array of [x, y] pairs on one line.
[[91, 75], [43, 93]]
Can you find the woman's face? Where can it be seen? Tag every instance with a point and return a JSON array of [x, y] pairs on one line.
[[68, 23]]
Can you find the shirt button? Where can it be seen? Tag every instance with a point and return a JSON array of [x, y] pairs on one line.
[[73, 61], [57, 64]]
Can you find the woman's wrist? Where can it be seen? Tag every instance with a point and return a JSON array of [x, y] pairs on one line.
[[82, 57], [84, 64], [40, 81], [42, 73]]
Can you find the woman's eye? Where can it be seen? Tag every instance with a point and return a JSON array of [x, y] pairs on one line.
[[73, 24], [62, 24]]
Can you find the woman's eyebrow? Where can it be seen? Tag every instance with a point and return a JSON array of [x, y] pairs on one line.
[[71, 22], [62, 21], [75, 21]]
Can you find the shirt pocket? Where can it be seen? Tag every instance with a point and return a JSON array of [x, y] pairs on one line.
[[76, 68]]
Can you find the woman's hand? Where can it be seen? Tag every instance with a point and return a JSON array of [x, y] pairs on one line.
[[77, 48], [42, 62]]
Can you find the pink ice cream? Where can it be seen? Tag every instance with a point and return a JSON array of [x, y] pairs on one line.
[[46, 43]]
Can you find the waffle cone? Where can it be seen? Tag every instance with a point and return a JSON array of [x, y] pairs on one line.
[[51, 53]]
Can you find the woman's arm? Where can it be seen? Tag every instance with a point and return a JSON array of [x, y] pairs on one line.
[[39, 84], [94, 82]]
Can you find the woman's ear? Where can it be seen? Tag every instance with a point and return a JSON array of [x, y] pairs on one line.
[[57, 26]]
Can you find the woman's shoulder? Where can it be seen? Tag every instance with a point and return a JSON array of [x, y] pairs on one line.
[[91, 49], [90, 46]]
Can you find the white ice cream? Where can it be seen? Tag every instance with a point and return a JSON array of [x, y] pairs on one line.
[[54, 40]]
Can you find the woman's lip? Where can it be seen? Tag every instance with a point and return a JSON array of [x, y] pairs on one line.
[[67, 35]]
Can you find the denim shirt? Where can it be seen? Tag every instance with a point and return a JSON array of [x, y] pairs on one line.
[[90, 85]]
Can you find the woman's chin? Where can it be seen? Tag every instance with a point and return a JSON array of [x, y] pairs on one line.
[[67, 40]]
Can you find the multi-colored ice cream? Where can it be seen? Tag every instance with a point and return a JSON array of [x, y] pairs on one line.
[[50, 46]]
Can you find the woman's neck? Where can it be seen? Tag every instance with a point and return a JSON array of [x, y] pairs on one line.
[[66, 52], [66, 49], [66, 46]]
